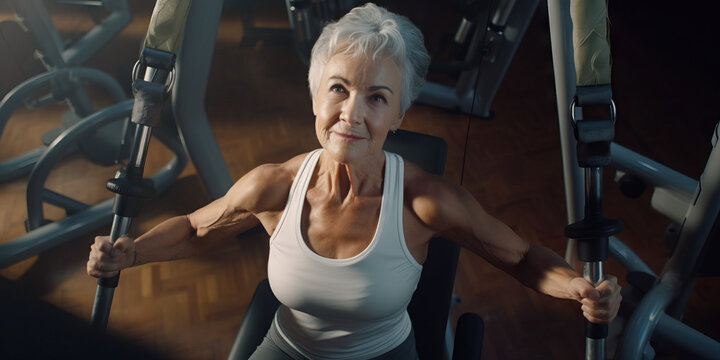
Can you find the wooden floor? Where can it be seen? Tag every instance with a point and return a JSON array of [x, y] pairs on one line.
[[665, 87]]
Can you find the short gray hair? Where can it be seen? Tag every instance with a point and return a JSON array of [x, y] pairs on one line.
[[373, 31]]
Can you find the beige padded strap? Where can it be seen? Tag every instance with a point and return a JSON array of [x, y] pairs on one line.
[[591, 42], [167, 25]]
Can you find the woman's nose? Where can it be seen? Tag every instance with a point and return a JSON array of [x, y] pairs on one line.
[[353, 110]]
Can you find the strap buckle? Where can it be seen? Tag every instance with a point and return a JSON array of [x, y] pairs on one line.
[[593, 135], [155, 66]]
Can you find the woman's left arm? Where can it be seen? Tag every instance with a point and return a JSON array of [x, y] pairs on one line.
[[453, 212]]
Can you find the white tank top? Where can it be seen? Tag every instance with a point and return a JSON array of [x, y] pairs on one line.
[[354, 308]]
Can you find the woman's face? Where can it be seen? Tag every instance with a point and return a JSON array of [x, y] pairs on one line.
[[357, 103]]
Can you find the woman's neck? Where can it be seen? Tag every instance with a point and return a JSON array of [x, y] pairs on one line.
[[344, 182]]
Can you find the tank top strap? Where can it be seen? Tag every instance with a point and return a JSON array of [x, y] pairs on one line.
[[394, 197], [302, 178], [398, 172], [396, 205], [304, 175], [392, 204]]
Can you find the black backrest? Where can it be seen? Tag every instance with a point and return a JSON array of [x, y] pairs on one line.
[[430, 305], [426, 151]]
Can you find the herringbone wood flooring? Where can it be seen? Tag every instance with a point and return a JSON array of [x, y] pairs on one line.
[[260, 112]]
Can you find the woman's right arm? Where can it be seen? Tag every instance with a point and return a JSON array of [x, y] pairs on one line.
[[262, 189]]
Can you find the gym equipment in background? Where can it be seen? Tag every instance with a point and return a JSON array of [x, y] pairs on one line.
[[100, 135], [491, 32], [65, 78], [695, 205], [485, 42], [190, 82], [308, 18], [657, 314]]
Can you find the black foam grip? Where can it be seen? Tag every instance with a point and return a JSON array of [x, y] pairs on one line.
[[111, 282], [136, 188], [592, 251], [593, 228], [126, 206], [595, 331], [594, 154], [149, 100]]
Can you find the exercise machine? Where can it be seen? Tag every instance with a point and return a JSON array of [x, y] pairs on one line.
[[100, 135], [490, 35], [152, 78], [593, 134], [308, 18], [487, 37], [691, 203], [65, 78], [195, 142]]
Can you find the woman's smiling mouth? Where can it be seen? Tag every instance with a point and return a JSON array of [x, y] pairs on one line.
[[347, 137]]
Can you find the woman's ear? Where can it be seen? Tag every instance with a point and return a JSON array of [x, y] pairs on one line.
[[314, 105]]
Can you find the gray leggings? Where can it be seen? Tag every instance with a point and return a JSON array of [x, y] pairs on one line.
[[274, 347]]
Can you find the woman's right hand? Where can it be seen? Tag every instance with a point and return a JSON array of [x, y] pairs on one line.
[[106, 260]]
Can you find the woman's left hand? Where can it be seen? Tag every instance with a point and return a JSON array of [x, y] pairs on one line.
[[600, 304]]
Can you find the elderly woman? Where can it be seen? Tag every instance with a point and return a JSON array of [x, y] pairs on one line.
[[350, 223]]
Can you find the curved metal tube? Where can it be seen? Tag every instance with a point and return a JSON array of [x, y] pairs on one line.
[[17, 96], [100, 35], [670, 292], [644, 320], [56, 233], [651, 171], [628, 258], [53, 234], [35, 16], [22, 164], [58, 149]]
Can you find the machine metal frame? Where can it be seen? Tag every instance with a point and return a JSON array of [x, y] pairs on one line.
[[492, 47], [65, 74], [196, 140], [694, 204]]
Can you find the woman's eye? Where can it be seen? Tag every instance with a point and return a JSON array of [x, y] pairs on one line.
[[378, 98], [337, 89]]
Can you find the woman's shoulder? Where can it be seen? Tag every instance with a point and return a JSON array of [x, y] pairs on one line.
[[432, 198], [278, 173], [419, 181], [266, 187]]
